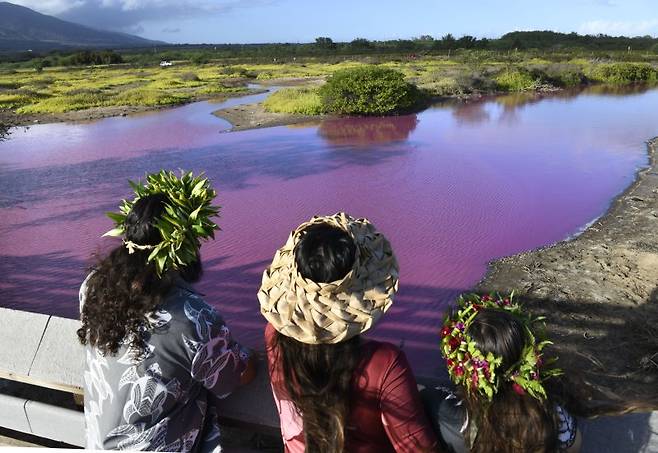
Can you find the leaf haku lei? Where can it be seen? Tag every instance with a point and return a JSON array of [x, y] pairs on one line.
[[186, 217], [481, 374]]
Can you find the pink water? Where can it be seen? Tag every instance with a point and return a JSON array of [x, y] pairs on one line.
[[452, 187]]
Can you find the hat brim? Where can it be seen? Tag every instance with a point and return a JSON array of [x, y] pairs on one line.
[[327, 313]]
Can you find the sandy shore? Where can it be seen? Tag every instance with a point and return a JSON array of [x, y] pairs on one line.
[[599, 293]]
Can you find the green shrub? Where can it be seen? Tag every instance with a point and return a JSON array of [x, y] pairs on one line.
[[622, 73], [516, 80], [368, 90], [561, 75], [305, 101]]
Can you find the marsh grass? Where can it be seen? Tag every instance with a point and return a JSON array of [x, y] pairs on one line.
[[58, 90], [303, 100]]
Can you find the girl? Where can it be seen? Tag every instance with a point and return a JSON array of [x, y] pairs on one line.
[[157, 354], [335, 391], [498, 367]]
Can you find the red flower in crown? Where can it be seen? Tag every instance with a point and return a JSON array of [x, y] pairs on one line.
[[518, 389], [459, 370], [454, 343], [445, 331]]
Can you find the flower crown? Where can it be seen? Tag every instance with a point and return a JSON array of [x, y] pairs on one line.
[[479, 373], [185, 220]]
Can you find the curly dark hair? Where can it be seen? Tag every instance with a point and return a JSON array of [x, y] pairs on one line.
[[123, 288]]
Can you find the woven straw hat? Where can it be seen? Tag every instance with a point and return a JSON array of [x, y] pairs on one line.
[[325, 313]]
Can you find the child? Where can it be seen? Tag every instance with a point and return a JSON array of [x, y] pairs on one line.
[[497, 365]]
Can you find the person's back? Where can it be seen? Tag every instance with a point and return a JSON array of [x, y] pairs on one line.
[[385, 411], [157, 354], [334, 390], [497, 364]]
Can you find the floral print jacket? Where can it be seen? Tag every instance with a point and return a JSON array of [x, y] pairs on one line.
[[161, 399]]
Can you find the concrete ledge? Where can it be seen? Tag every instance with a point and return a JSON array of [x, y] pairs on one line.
[[12, 413], [20, 335], [60, 358], [56, 423]]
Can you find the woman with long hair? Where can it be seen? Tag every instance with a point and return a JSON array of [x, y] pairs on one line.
[[500, 404], [157, 354], [336, 391]]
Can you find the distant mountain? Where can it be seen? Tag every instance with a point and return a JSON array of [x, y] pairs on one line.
[[22, 29]]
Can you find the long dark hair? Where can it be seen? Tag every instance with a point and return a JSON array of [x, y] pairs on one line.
[[319, 378], [123, 288], [511, 423]]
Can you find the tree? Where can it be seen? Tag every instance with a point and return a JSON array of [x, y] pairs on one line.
[[466, 42], [360, 44], [448, 41], [324, 42]]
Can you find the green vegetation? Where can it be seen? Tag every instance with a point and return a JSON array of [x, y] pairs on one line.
[[57, 90], [625, 73], [436, 67], [516, 80], [368, 90], [304, 100]]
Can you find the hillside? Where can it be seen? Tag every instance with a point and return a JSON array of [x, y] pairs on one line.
[[22, 29]]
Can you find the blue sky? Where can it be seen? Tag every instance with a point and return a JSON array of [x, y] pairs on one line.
[[249, 21]]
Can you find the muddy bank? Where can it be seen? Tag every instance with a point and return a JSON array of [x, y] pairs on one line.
[[254, 116], [599, 293]]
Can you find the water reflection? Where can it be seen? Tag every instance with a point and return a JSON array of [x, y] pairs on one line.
[[471, 112], [474, 112], [367, 131]]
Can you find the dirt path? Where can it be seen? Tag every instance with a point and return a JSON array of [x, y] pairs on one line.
[[599, 293]]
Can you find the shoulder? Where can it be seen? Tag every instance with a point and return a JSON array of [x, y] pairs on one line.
[[188, 311], [381, 352], [383, 360]]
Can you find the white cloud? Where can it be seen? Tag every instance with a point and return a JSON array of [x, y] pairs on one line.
[[62, 6], [128, 15], [50, 6], [619, 28]]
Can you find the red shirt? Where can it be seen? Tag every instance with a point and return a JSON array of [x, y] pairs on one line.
[[386, 413]]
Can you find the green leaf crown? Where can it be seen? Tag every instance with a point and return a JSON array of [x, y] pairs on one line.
[[480, 373], [185, 220]]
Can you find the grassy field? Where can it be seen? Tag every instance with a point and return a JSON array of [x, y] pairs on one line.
[[60, 90], [57, 90]]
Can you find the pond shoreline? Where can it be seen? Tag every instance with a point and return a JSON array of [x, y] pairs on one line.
[[599, 293]]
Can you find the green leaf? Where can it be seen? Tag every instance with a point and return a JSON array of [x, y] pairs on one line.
[[117, 217], [115, 232]]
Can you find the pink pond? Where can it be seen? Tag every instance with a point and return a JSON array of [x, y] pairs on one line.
[[452, 187]]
